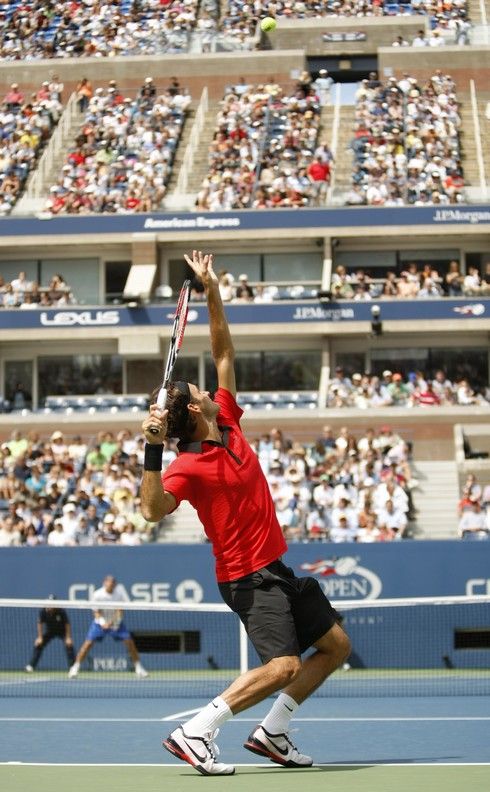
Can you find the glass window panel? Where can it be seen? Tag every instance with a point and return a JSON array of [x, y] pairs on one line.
[[429, 255], [187, 369], [236, 264], [470, 364], [293, 267], [400, 360], [81, 374], [143, 376], [116, 275], [10, 270], [372, 260], [351, 362], [18, 383], [178, 271], [82, 275], [285, 371]]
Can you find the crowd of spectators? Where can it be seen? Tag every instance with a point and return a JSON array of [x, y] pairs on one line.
[[394, 389], [26, 124], [406, 143], [340, 488], [265, 152], [33, 29], [448, 20], [122, 158], [474, 510], [446, 29], [36, 29], [413, 282], [64, 491], [27, 295]]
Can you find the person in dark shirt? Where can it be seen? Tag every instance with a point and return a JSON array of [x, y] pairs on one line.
[[51, 623]]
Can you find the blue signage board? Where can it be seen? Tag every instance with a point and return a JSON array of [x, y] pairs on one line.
[[290, 313], [248, 220], [185, 573], [422, 636]]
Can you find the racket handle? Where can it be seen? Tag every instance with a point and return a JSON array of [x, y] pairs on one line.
[[160, 402]]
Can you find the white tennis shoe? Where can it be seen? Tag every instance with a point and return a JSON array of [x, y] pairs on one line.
[[140, 671], [73, 672], [200, 752], [276, 747]]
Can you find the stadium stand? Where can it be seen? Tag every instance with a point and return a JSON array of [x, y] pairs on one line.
[[123, 155], [64, 491], [406, 144], [27, 124], [87, 335], [263, 150]]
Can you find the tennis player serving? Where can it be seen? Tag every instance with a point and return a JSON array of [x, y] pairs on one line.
[[219, 474]]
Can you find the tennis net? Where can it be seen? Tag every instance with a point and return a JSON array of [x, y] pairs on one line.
[[404, 647]]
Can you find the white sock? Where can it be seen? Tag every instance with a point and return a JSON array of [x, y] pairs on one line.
[[277, 719], [208, 719], [138, 666]]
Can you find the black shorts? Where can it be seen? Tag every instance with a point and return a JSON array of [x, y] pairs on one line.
[[282, 614]]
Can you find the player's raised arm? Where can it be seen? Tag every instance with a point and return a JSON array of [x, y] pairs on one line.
[[155, 502], [222, 348]]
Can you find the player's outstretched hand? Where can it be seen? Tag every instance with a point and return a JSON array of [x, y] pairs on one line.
[[156, 421], [202, 266]]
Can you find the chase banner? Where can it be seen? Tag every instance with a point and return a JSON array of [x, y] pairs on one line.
[[185, 573]]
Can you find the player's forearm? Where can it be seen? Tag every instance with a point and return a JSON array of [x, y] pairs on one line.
[[221, 342], [155, 502]]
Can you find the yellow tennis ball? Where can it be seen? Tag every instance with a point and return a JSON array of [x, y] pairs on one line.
[[268, 24]]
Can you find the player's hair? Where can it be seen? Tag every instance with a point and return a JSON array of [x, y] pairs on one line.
[[180, 422]]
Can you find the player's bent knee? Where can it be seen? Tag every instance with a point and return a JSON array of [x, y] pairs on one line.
[[285, 669], [344, 647]]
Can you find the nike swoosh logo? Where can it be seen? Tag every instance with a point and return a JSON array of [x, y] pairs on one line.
[[199, 758], [216, 706], [282, 751], [288, 708]]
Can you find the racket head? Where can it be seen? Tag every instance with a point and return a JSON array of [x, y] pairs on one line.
[[178, 329], [177, 337]]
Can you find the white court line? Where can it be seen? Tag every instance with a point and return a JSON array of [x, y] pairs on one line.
[[177, 716], [250, 764]]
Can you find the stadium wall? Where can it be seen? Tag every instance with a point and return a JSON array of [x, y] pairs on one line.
[[213, 70], [184, 574]]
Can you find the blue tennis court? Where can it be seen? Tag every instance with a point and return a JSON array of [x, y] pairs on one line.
[[439, 730]]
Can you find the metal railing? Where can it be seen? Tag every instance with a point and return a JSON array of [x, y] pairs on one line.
[[193, 144], [478, 144], [37, 185], [334, 143]]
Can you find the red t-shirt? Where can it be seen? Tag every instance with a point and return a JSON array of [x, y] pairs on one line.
[[228, 489]]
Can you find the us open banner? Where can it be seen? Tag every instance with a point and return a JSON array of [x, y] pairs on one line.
[[185, 573]]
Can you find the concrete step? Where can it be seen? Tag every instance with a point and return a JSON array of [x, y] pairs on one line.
[[184, 527], [436, 499]]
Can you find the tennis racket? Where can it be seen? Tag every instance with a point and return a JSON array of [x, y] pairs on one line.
[[178, 328]]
